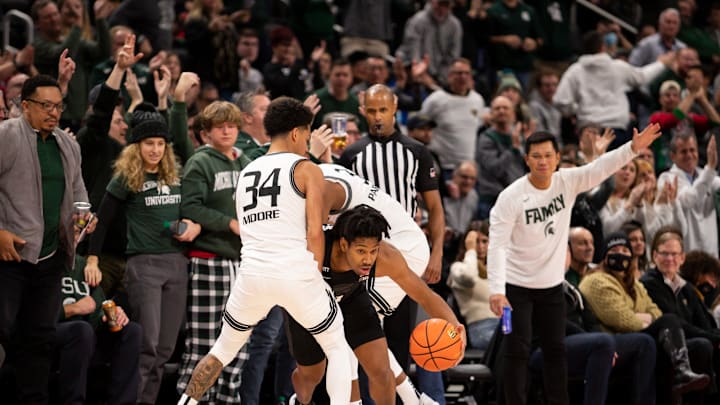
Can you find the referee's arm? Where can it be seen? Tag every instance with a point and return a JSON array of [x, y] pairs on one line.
[[436, 225]]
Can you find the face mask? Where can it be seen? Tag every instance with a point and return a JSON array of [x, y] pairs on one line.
[[611, 39], [707, 290], [618, 262]]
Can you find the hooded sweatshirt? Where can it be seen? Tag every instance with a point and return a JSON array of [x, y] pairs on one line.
[[594, 89], [208, 198]]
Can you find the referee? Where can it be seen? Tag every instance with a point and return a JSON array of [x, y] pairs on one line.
[[402, 167]]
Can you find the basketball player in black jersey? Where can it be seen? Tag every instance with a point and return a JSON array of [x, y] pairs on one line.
[[355, 251]]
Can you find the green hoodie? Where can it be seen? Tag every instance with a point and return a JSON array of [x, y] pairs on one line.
[[208, 190]]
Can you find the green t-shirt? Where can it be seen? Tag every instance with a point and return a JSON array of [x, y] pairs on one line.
[[520, 21], [330, 104], [53, 189], [74, 288], [146, 213]]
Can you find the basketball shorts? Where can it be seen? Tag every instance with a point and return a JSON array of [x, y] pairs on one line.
[[361, 326]]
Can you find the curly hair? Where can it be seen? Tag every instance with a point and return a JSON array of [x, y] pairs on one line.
[[129, 166], [362, 221]]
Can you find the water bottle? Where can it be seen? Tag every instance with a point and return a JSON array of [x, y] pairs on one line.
[[175, 227], [506, 321]]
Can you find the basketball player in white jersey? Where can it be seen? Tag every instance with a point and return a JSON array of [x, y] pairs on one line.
[[280, 210], [346, 190]]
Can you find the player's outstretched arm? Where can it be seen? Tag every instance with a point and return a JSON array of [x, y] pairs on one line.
[[390, 262], [310, 181]]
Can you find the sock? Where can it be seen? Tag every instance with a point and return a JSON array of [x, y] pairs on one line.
[[186, 400], [406, 391]]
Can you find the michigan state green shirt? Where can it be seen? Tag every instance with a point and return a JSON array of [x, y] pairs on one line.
[[146, 212]]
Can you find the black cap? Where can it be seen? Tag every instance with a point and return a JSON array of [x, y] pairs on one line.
[[147, 124], [419, 121], [617, 239]]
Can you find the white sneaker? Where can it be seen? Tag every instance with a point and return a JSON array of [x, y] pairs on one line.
[[426, 400]]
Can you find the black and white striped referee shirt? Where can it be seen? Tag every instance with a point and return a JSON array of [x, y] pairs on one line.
[[397, 164]]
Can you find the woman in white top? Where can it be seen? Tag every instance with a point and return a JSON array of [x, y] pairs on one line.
[[468, 281], [658, 208], [620, 207]]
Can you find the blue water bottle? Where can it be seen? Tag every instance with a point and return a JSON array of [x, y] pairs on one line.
[[506, 321]]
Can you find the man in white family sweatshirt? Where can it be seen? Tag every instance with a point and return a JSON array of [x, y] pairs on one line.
[[529, 227]]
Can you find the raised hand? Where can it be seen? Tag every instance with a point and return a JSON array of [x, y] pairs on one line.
[[66, 70], [635, 197], [133, 89], [320, 141], [103, 8], [712, 153], [157, 61], [471, 240], [318, 52], [162, 82], [313, 103], [25, 57], [420, 67], [645, 138], [601, 143], [126, 57], [187, 81]]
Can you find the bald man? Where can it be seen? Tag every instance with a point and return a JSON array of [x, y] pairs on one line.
[[582, 249]]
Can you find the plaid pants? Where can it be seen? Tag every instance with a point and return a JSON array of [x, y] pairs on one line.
[[210, 284]]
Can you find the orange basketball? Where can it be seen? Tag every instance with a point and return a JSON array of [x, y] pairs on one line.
[[435, 345]]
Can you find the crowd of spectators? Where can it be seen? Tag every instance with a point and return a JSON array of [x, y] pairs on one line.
[[468, 80]]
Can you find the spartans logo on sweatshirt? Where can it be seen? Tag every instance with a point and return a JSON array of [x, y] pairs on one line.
[[540, 214]]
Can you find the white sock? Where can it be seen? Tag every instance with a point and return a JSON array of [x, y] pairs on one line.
[[394, 365], [186, 400], [406, 391]]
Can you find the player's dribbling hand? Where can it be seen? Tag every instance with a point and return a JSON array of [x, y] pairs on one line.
[[460, 328], [497, 302]]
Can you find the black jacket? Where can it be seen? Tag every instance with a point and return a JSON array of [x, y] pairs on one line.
[[686, 304]]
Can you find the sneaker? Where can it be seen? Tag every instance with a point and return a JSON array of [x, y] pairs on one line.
[[426, 400]]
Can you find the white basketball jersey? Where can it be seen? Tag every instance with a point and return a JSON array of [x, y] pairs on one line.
[[405, 234], [271, 214]]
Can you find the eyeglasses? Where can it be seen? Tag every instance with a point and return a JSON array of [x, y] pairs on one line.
[[672, 255], [48, 106]]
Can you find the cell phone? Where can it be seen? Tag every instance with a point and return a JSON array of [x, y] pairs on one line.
[[84, 229]]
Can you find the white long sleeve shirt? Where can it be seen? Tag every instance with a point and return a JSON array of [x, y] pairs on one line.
[[698, 203], [529, 227]]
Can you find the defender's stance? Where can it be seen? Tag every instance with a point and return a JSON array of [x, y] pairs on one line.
[[280, 213]]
